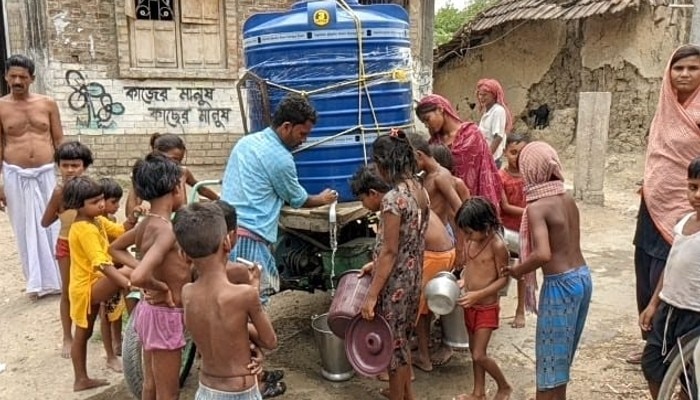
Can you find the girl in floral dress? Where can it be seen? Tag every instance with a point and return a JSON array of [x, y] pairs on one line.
[[398, 256]]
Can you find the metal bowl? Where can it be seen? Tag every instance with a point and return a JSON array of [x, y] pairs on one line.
[[442, 293]]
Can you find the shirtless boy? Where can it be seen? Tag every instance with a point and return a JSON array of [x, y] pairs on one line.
[[551, 238], [30, 131], [486, 255], [217, 312], [368, 186], [271, 383], [443, 156], [162, 271], [444, 199]]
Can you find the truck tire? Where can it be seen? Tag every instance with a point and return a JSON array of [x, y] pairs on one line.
[[189, 353]]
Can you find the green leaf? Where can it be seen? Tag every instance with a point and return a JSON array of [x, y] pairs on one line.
[[449, 19]]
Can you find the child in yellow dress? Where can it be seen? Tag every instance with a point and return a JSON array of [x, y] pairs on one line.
[[93, 277]]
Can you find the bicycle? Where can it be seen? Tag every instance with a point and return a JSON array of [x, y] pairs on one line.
[[682, 374], [132, 355]]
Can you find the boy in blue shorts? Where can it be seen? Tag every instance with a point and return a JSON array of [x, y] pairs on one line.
[[550, 238]]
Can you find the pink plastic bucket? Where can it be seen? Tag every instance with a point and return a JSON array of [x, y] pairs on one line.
[[347, 302]]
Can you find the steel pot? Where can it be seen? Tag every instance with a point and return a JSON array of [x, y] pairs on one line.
[[442, 293], [454, 330]]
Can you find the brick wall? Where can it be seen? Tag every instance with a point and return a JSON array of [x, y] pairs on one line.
[[85, 66], [116, 154], [115, 113], [83, 32], [116, 117]]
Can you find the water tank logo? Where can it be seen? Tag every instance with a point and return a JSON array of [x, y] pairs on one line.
[[322, 17]]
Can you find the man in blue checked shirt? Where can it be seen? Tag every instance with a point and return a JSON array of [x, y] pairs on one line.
[[260, 177]]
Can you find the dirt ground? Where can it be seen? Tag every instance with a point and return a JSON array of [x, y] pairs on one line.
[[30, 331]]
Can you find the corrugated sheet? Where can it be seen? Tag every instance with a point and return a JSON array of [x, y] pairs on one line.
[[518, 10], [524, 10]]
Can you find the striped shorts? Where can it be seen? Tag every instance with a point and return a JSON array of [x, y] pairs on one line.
[[259, 252], [206, 393]]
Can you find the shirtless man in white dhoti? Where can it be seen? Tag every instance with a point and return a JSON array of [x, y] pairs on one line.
[[30, 130]]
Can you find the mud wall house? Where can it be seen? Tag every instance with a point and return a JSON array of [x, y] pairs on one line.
[[547, 51], [122, 70]]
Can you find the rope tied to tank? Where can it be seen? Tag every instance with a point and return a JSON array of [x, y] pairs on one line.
[[363, 82], [400, 75]]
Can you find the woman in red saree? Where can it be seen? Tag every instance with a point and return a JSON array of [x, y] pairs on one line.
[[674, 141], [473, 162]]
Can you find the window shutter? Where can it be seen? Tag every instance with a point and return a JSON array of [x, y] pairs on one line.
[[144, 40], [210, 11], [165, 44], [130, 8], [155, 44], [205, 12], [192, 56], [211, 38], [201, 46]]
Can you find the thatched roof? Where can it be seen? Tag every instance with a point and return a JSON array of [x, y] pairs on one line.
[[532, 10]]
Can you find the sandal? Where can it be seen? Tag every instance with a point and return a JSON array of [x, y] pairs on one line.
[[272, 376], [273, 390]]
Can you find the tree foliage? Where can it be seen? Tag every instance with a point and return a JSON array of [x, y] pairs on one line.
[[449, 19]]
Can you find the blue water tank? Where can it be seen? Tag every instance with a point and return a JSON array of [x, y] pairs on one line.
[[314, 47]]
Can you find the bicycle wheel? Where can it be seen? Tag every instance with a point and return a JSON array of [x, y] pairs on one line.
[[680, 375]]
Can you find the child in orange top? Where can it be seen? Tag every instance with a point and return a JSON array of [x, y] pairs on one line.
[[512, 206], [72, 159], [93, 279], [443, 156], [481, 281]]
